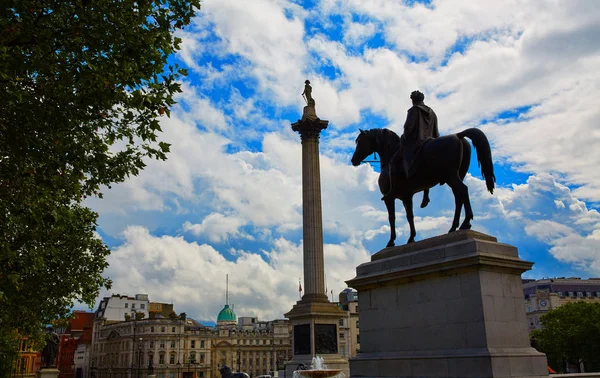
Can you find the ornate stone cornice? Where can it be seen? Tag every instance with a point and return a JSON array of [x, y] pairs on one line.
[[309, 128]]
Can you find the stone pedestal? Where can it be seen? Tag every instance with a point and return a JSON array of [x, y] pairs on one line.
[[47, 373], [449, 306], [314, 319]]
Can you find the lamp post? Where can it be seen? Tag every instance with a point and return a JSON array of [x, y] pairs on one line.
[[238, 359], [178, 367], [140, 346]]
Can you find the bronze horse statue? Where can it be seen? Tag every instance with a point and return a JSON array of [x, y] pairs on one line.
[[443, 160]]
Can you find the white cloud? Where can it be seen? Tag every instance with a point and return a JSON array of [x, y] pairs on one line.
[[218, 228], [170, 269]]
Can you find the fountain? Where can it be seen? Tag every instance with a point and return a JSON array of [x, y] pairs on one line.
[[318, 369]]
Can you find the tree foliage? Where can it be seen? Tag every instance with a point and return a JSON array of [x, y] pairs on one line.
[[83, 84], [571, 333]]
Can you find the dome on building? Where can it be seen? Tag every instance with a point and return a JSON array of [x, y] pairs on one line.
[[226, 315]]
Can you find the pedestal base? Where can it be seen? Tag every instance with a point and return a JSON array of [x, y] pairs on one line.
[[47, 373], [450, 306], [315, 332]]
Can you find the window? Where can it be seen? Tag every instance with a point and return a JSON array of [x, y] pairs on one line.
[[161, 359], [341, 322], [357, 324], [193, 357], [162, 344], [569, 293], [560, 294], [201, 357], [151, 329], [588, 294], [172, 344], [133, 305], [579, 294], [143, 306], [598, 293], [201, 343], [151, 344], [172, 329], [358, 339], [280, 342], [162, 329], [201, 374], [172, 359], [264, 342], [193, 344], [244, 342], [341, 336], [126, 305]]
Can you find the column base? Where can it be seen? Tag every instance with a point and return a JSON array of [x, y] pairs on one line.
[[47, 373]]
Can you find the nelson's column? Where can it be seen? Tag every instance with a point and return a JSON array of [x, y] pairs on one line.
[[314, 319]]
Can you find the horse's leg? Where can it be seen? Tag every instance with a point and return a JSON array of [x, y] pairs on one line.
[[390, 204], [456, 185], [466, 224], [408, 207], [425, 201]]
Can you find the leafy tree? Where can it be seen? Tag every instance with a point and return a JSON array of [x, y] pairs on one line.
[[82, 86], [571, 333]]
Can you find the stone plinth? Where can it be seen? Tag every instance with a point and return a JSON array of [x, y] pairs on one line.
[[47, 373], [449, 306], [315, 333]]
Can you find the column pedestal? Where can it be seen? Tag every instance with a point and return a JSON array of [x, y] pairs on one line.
[[47, 373], [449, 306]]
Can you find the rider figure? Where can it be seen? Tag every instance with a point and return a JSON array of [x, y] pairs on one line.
[[420, 126]]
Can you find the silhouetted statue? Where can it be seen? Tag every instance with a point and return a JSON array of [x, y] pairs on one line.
[[308, 94], [444, 160], [50, 351], [420, 127], [226, 372]]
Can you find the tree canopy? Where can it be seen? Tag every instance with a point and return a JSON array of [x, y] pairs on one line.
[[83, 85], [571, 333]]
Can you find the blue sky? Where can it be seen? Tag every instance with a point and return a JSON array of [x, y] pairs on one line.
[[228, 199]]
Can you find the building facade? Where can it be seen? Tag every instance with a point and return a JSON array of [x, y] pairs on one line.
[[544, 295], [349, 326], [249, 345], [168, 347], [28, 362]]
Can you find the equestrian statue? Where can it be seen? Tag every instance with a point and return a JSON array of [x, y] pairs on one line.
[[421, 159]]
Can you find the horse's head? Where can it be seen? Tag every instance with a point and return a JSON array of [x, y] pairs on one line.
[[365, 146]]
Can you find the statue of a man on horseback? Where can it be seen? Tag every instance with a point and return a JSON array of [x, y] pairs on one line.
[[420, 160], [421, 125]]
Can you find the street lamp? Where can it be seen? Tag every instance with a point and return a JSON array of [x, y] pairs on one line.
[[140, 346], [178, 367]]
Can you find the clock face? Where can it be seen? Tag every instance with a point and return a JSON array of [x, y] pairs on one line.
[[543, 303]]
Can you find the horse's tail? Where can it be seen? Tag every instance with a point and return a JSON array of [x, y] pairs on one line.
[[484, 155]]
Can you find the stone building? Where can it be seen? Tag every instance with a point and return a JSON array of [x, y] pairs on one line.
[[28, 361], [544, 295], [349, 326], [172, 347], [249, 345]]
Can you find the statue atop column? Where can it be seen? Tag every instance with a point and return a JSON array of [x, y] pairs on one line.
[[308, 94]]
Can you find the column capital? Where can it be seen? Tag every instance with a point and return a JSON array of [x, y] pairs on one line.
[[309, 128]]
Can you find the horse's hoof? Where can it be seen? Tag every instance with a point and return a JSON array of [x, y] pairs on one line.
[[411, 240], [424, 204], [390, 244], [452, 230], [465, 226]]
